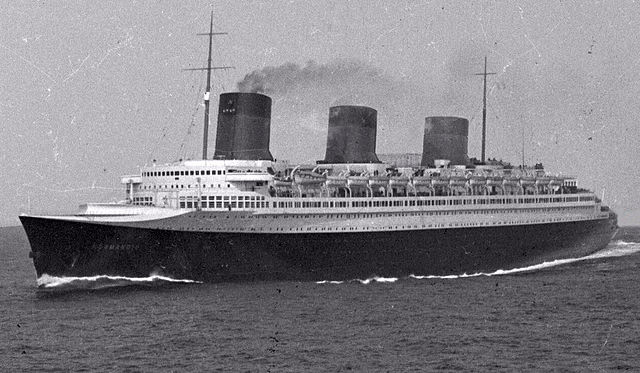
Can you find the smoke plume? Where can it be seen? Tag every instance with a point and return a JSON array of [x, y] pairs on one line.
[[303, 94]]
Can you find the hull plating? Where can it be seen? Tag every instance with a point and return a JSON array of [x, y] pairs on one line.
[[62, 248]]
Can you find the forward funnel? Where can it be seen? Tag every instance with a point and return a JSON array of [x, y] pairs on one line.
[[244, 124]]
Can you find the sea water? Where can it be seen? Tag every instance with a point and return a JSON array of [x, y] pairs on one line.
[[578, 314]]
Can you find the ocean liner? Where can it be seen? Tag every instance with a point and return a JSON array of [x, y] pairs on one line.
[[243, 216]]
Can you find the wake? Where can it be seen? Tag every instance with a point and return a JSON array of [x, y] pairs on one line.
[[104, 281], [364, 282], [614, 249]]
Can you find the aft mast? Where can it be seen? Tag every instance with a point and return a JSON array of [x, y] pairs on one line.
[[484, 108]]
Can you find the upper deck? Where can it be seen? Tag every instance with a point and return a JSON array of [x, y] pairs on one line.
[[249, 185]]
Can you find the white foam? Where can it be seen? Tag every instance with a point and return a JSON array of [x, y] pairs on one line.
[[623, 243], [47, 281], [364, 282], [377, 279], [615, 249]]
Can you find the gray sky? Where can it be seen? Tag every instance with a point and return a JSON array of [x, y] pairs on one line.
[[92, 90]]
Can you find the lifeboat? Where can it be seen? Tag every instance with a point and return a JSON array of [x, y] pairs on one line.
[[556, 181], [477, 180], [400, 180], [336, 181], [440, 180], [282, 182], [543, 180], [457, 180], [510, 181], [378, 180], [494, 180], [421, 180], [306, 178], [527, 180], [358, 180]]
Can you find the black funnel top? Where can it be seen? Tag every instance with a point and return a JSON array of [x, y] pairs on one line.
[[244, 124], [352, 135]]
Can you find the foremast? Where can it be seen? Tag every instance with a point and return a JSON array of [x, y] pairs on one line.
[[207, 93]]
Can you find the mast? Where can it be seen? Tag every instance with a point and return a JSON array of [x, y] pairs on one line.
[[484, 107], [523, 146], [207, 93]]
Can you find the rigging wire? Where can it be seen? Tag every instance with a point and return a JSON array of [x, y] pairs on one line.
[[182, 150]]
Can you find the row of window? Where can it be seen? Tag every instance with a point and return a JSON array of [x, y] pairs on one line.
[[183, 173], [426, 202], [233, 202], [220, 204], [189, 186], [398, 214], [358, 204], [180, 186], [371, 228], [226, 198], [143, 201]]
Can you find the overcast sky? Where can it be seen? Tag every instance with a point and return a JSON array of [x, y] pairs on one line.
[[92, 91]]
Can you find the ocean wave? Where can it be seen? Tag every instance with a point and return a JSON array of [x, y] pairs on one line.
[[103, 281]]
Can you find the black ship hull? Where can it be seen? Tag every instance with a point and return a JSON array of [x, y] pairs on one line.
[[67, 248]]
